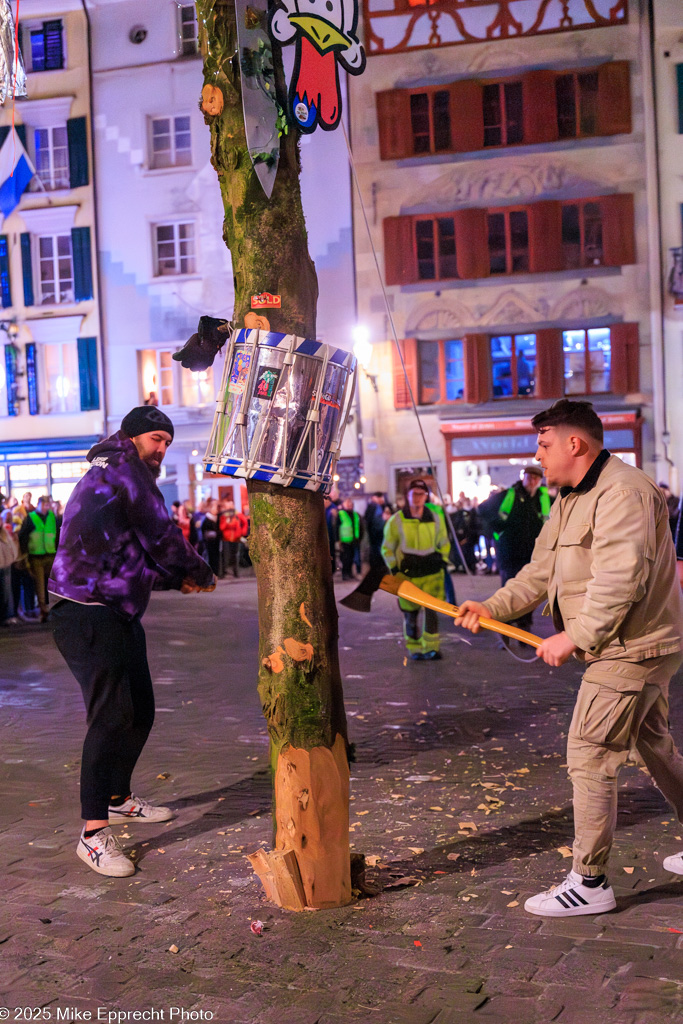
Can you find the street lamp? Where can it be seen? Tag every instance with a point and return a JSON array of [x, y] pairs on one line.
[[362, 350]]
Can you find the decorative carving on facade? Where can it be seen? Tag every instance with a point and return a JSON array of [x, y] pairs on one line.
[[584, 303], [514, 180], [511, 308], [446, 314], [419, 24], [437, 315]]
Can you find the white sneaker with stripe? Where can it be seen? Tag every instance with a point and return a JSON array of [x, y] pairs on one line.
[[136, 809], [572, 897], [103, 853], [674, 863]]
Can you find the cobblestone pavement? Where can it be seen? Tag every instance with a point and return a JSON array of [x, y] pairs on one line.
[[459, 799]]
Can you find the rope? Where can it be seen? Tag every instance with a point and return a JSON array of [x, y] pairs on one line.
[[449, 523]]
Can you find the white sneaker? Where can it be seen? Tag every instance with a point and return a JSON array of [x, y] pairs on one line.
[[104, 855], [572, 897], [135, 809], [674, 863]]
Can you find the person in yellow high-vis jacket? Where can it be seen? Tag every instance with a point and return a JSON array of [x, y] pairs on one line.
[[38, 538], [416, 543]]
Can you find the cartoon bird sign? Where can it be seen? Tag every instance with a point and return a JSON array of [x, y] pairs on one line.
[[324, 33]]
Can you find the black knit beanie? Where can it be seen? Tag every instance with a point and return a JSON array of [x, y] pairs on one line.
[[144, 419]]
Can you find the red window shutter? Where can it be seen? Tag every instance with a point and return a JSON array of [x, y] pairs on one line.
[[471, 243], [401, 378], [399, 251], [625, 373], [545, 236], [549, 363], [614, 98], [540, 107], [477, 368], [393, 121], [467, 116], [618, 238]]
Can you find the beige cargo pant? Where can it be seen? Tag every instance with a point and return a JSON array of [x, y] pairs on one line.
[[620, 706]]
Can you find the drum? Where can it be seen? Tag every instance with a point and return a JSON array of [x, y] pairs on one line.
[[281, 410]]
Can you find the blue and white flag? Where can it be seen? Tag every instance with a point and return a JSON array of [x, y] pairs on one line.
[[16, 170]]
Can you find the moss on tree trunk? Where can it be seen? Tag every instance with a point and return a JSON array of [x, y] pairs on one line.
[[299, 679]]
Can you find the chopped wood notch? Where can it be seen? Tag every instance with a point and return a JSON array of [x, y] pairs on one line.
[[280, 877]]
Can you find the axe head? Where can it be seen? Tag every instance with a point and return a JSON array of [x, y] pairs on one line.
[[360, 599]]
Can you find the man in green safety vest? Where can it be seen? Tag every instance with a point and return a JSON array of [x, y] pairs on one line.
[[349, 531], [517, 524], [416, 543], [38, 539]]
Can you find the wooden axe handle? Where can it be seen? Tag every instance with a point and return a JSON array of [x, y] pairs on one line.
[[410, 592]]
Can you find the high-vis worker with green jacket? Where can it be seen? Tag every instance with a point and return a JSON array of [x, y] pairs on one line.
[[416, 543]]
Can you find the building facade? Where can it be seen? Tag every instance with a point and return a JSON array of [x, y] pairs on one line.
[[51, 383], [506, 155]]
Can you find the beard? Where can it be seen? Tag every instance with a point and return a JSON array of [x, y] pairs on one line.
[[154, 465]]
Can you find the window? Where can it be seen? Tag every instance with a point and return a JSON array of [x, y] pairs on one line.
[[59, 377], [430, 121], [56, 271], [582, 234], [435, 245], [52, 157], [170, 142], [43, 45], [157, 374], [189, 30], [175, 252], [508, 242], [503, 121], [197, 387], [513, 365], [576, 95], [441, 371], [587, 361]]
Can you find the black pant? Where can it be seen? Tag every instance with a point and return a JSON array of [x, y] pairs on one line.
[[213, 554], [410, 623], [231, 550], [108, 656], [347, 556]]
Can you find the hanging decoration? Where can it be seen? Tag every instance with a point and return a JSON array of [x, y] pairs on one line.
[[12, 74], [324, 33], [259, 105]]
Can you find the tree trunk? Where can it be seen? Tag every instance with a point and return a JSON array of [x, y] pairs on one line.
[[299, 680]]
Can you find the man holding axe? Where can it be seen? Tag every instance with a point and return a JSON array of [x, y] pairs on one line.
[[606, 564]]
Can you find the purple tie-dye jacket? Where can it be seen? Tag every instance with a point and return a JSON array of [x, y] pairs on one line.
[[117, 541]]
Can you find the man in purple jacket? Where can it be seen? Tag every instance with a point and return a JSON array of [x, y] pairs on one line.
[[117, 544]]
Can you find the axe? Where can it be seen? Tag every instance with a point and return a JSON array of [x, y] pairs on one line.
[[400, 586]]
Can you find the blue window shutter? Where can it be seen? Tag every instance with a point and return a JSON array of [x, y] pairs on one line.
[[87, 373], [80, 246], [32, 378], [5, 290], [54, 48], [27, 268], [11, 353], [4, 132], [76, 131], [679, 83], [21, 132]]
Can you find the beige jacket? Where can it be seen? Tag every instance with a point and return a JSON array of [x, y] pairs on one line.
[[606, 563]]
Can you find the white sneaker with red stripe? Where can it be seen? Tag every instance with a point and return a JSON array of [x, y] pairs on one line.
[[572, 897], [104, 855], [136, 809]]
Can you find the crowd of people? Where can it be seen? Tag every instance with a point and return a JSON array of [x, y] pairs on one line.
[[29, 535], [217, 531]]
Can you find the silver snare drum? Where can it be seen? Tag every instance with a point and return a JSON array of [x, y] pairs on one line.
[[281, 410]]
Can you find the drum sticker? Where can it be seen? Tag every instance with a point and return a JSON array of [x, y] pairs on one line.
[[239, 373], [266, 382], [326, 399]]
